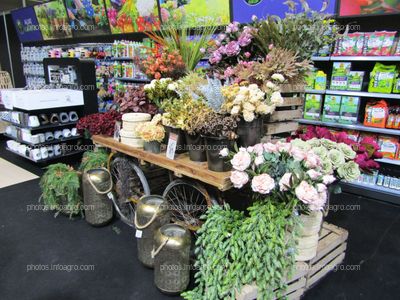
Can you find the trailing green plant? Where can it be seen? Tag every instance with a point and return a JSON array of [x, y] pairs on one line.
[[60, 189], [233, 250], [94, 160]]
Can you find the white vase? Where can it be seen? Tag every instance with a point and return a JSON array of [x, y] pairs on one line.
[[307, 241]]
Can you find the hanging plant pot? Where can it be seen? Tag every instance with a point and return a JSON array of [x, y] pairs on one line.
[[250, 133], [152, 147], [181, 143], [195, 144], [214, 145], [307, 241]]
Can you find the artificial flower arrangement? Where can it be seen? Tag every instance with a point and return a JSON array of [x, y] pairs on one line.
[[294, 170], [249, 102], [159, 90], [100, 123], [134, 100], [367, 150], [152, 131]]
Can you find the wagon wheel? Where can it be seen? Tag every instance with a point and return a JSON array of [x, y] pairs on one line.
[[187, 201], [130, 184]]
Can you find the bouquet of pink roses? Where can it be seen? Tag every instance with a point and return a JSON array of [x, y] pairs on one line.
[[290, 172]]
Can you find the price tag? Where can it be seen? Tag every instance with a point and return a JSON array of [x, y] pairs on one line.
[[172, 143], [139, 234], [117, 130]]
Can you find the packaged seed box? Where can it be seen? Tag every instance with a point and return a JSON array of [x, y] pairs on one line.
[[340, 75], [355, 80], [349, 110], [312, 107], [331, 112]]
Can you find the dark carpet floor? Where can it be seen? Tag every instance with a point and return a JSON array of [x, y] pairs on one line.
[[33, 240]]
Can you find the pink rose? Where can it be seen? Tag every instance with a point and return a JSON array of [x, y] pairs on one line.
[[314, 175], [321, 188], [241, 160], [298, 154], [285, 182], [328, 179], [269, 147], [312, 160], [263, 184], [232, 48], [259, 160], [283, 147], [250, 149], [239, 179], [259, 149], [306, 192], [247, 54]]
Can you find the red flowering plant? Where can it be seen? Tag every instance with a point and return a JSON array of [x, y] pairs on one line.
[[163, 63], [100, 123], [134, 100], [367, 149]]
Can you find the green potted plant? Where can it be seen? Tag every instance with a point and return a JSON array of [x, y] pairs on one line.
[[219, 132], [94, 160], [60, 187]]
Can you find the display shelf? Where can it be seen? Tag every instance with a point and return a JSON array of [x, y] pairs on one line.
[[365, 58], [315, 92], [137, 80], [372, 191], [352, 127], [43, 127], [55, 141], [320, 58], [389, 161], [363, 94], [47, 159]]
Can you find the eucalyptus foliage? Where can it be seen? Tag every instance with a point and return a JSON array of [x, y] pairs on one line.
[[234, 250], [60, 189], [212, 92], [94, 160]]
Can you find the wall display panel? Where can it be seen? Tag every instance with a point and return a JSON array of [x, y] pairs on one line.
[[193, 13], [126, 16], [368, 7], [243, 10], [53, 20], [26, 25], [87, 17]]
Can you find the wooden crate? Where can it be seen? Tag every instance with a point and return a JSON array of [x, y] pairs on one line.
[[331, 252]]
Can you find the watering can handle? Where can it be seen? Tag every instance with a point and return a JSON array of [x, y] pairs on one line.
[[96, 189], [140, 227], [155, 253]]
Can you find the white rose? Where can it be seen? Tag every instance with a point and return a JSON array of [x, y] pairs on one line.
[[328, 179], [235, 110], [224, 152], [259, 160], [249, 107], [276, 98], [271, 85], [278, 77], [249, 116]]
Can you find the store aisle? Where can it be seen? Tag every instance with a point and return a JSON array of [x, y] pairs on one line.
[[31, 240]]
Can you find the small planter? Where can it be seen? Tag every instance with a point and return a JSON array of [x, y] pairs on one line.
[[250, 133], [152, 147], [214, 145], [181, 143], [196, 146]]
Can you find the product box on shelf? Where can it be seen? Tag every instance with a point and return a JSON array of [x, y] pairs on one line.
[[355, 80], [376, 114], [382, 78], [42, 99], [349, 110], [340, 75], [331, 112], [312, 107], [389, 146]]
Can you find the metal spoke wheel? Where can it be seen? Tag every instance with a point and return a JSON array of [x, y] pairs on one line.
[[130, 184], [188, 201]]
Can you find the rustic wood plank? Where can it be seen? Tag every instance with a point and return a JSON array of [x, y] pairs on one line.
[[296, 295], [317, 266], [282, 127], [291, 101], [292, 88], [328, 243], [181, 165], [324, 271], [285, 115]]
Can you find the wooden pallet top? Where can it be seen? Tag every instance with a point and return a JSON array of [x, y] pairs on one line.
[[182, 165]]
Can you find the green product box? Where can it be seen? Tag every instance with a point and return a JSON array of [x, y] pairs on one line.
[[340, 73], [355, 80], [310, 80], [331, 112], [349, 110], [312, 107]]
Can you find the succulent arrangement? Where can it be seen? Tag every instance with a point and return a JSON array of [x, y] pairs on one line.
[[134, 100]]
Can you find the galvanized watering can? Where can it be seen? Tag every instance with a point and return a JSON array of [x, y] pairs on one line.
[[151, 213]]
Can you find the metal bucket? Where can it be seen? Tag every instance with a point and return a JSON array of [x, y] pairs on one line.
[[96, 184], [172, 259], [151, 213]]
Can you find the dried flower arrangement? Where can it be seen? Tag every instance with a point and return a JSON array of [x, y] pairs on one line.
[[134, 100], [152, 131], [217, 125]]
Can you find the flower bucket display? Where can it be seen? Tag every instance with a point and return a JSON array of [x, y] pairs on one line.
[[250, 133], [214, 145], [307, 241], [152, 147], [196, 147], [181, 142]]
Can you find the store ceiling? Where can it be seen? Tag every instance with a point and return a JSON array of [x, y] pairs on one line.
[[7, 5]]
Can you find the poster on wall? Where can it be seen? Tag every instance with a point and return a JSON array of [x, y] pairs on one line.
[[26, 25], [126, 16], [53, 21], [243, 10], [87, 17], [368, 7], [193, 13]]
